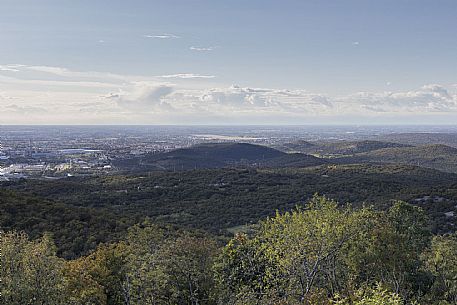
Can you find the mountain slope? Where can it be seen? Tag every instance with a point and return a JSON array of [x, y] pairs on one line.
[[294, 160], [436, 156], [338, 147], [76, 230], [218, 199], [218, 155]]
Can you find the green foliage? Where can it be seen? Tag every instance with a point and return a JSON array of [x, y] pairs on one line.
[[390, 252], [339, 148], [168, 268], [322, 253], [83, 212], [82, 287], [106, 266], [186, 263], [371, 296], [300, 254], [242, 269], [310, 253], [76, 230], [441, 262], [437, 156], [31, 273]]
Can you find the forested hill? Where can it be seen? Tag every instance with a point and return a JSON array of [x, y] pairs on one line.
[[220, 201], [422, 138], [435, 156], [326, 254], [226, 152], [159, 233], [328, 148], [76, 230], [217, 155], [234, 185]]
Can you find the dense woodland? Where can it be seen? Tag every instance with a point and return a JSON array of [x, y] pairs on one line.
[[81, 212], [322, 254], [248, 231]]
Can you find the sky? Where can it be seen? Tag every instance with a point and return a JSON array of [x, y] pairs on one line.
[[237, 62]]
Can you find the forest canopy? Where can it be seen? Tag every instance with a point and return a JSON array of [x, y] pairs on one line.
[[322, 253]]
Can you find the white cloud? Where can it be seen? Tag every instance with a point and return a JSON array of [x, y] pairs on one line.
[[64, 72], [163, 36], [187, 76], [237, 97], [355, 43], [143, 96], [101, 97], [4, 96], [23, 109], [429, 98], [264, 99], [56, 84], [9, 68], [202, 49]]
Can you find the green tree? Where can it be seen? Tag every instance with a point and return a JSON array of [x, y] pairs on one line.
[[31, 273], [371, 296], [187, 265], [82, 288], [144, 281], [167, 267], [390, 252], [241, 270], [441, 262], [98, 278], [301, 253]]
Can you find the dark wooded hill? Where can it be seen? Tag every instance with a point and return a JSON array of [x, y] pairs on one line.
[[218, 155]]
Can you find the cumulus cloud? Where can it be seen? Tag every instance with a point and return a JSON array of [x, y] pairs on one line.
[[54, 94], [238, 97], [429, 98], [279, 99], [143, 97]]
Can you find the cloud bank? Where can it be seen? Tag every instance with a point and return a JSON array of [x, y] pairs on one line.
[[56, 95]]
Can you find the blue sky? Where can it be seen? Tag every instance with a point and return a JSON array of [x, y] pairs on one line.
[[231, 62]]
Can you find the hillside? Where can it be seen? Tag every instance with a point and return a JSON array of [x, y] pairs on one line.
[[295, 160], [437, 156], [422, 138], [234, 185], [338, 148], [218, 155], [297, 146], [228, 152], [76, 230], [219, 199]]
